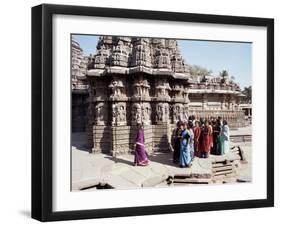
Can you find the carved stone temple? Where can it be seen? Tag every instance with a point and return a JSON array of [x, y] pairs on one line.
[[130, 80]]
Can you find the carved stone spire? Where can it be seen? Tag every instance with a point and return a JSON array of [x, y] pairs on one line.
[[151, 53]]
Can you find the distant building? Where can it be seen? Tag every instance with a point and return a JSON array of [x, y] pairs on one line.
[[79, 85]]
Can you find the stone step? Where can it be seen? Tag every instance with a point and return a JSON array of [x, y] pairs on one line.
[[192, 180], [215, 165], [221, 178], [223, 168], [223, 172]]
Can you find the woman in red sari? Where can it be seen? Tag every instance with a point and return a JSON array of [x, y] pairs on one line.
[[211, 136], [197, 132], [206, 144]]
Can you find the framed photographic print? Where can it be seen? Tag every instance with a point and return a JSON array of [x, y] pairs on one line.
[[146, 112]]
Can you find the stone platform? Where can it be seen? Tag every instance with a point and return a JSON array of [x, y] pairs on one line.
[[95, 171]]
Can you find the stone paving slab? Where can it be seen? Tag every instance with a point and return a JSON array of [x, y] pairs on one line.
[[119, 182], [242, 131], [86, 183], [89, 170]]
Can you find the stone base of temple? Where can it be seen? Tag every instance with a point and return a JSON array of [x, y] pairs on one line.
[[121, 139], [162, 137], [235, 119], [100, 138]]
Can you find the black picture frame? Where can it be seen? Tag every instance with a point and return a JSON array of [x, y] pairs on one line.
[[42, 111]]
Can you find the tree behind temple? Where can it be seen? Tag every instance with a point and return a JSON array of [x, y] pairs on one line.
[[196, 70], [248, 94]]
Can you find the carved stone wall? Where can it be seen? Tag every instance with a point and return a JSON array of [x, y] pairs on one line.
[[79, 88]]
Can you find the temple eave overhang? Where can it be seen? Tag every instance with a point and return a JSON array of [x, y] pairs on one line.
[[214, 91], [134, 70]]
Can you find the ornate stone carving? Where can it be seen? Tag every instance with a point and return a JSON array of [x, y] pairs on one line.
[[185, 95], [158, 42], [141, 54], [185, 111], [178, 92], [136, 114], [162, 59], [177, 113], [177, 62], [141, 89], [119, 114], [162, 90], [146, 113], [117, 89], [101, 58], [162, 112], [101, 113], [120, 54]]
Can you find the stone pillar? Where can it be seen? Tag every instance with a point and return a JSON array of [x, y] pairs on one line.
[[102, 135], [120, 130]]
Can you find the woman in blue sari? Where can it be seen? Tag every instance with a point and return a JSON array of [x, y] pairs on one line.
[[190, 145], [185, 158]]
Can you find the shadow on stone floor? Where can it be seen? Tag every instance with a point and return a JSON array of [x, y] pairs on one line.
[[165, 158], [158, 157], [119, 160], [79, 141]]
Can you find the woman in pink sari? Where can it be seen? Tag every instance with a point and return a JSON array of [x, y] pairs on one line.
[[141, 158]]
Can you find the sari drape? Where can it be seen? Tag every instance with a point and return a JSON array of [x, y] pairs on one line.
[[185, 158], [217, 145], [197, 132], [176, 144], [206, 145], [141, 157], [225, 139]]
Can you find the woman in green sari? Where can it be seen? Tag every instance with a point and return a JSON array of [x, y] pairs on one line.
[[224, 138]]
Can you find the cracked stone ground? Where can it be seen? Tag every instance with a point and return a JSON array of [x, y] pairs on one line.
[[90, 170]]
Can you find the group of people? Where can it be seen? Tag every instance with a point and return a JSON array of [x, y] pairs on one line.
[[191, 138], [199, 138]]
